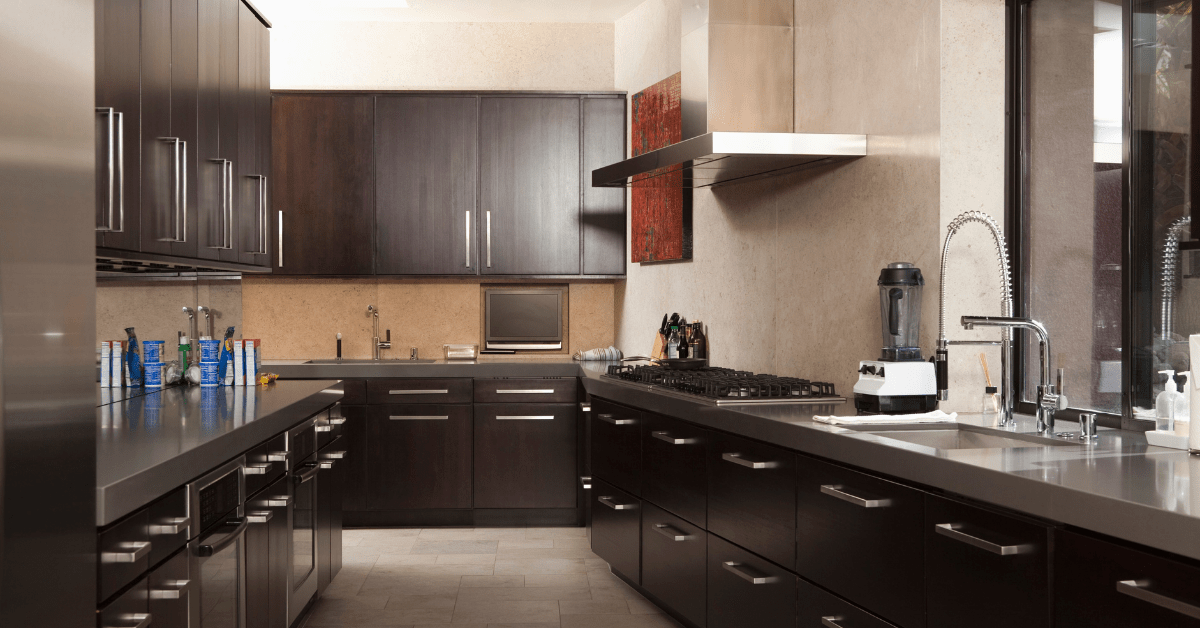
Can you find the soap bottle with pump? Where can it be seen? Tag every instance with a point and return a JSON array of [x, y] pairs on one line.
[[1165, 404], [1182, 407]]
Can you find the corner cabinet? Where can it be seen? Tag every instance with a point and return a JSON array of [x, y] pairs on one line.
[[491, 183]]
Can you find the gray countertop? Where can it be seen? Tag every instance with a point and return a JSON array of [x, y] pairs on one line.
[[486, 366], [1120, 486], [149, 444]]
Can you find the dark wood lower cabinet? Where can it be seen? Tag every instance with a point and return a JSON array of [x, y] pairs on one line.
[[419, 456], [752, 496], [674, 563], [329, 512], [525, 455], [1098, 584], [616, 529], [820, 609], [129, 608], [268, 558], [747, 590], [673, 467], [989, 567], [616, 434], [258, 572], [354, 466], [169, 599]]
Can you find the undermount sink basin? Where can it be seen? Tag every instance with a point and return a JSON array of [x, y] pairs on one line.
[[369, 361], [967, 437]]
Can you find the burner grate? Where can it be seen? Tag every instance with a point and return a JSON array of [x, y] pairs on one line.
[[721, 383]]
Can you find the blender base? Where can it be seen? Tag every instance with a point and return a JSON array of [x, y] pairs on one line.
[[895, 404]]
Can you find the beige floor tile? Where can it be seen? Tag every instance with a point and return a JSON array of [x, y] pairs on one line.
[[347, 602], [593, 607], [391, 543], [390, 584], [524, 593], [550, 552], [377, 617], [376, 533], [502, 612], [605, 578], [557, 580], [493, 581], [514, 566], [612, 591], [572, 542], [497, 534], [596, 563], [465, 559], [526, 544], [642, 606], [618, 621], [555, 533], [427, 546], [430, 570], [444, 602], [406, 559], [448, 534], [554, 625]]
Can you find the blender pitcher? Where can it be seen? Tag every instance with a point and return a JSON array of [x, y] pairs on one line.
[[900, 308]]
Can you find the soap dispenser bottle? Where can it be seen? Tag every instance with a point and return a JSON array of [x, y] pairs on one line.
[[1182, 408], [1164, 404]]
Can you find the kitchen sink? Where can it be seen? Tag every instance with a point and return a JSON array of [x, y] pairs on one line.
[[966, 437], [368, 361]]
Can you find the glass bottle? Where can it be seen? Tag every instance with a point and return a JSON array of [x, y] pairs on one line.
[[673, 343], [991, 406]]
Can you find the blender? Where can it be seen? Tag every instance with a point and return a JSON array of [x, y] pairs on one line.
[[900, 381]]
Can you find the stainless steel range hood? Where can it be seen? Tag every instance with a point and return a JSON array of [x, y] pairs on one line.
[[736, 93]]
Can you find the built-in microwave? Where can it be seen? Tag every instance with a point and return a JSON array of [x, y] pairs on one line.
[[524, 318]]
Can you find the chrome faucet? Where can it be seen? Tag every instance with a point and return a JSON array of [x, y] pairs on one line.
[[208, 318], [378, 344], [1049, 397], [941, 357], [191, 322]]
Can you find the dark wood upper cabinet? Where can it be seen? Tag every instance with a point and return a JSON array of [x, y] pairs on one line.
[[427, 164], [118, 123], [251, 183], [323, 183], [529, 185], [603, 208]]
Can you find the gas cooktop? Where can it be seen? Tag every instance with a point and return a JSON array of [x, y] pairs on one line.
[[719, 386]]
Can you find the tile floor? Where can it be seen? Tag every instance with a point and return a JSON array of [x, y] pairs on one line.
[[477, 578]]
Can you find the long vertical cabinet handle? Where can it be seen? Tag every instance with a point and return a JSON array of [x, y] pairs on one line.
[[279, 244], [181, 226], [176, 188], [468, 239], [262, 214], [111, 115], [489, 238], [228, 204]]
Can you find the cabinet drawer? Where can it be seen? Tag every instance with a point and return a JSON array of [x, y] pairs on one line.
[[752, 497], [746, 590], [616, 529], [329, 426], [821, 609], [355, 392], [169, 525], [673, 467], [861, 537], [418, 456], [170, 589], [129, 610], [265, 464], [124, 553], [990, 567], [674, 562], [1098, 584], [617, 445], [354, 466], [525, 455], [418, 391], [534, 390]]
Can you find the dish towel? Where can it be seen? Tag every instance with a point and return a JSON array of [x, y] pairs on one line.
[[611, 354], [937, 416]]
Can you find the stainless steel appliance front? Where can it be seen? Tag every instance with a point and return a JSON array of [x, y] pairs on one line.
[[218, 551]]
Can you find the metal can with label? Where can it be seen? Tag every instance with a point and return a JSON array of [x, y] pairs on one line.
[[210, 350], [152, 351], [209, 374], [153, 374]]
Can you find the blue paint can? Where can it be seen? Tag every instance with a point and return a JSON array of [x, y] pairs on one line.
[[153, 374], [210, 351], [152, 351], [209, 374]]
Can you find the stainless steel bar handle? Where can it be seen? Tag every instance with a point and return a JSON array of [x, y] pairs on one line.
[[174, 593], [431, 391], [737, 459], [258, 469], [527, 417], [739, 570], [111, 115], [262, 214], [259, 517], [839, 491], [334, 455], [608, 418], [586, 482], [224, 204], [277, 456], [321, 429], [229, 204], [1139, 589], [525, 391], [183, 192], [337, 420], [326, 464], [671, 532], [419, 418], [279, 243], [468, 239], [136, 620], [667, 438], [831, 621], [952, 530], [279, 501], [607, 500], [169, 527], [133, 552], [176, 187], [489, 238]]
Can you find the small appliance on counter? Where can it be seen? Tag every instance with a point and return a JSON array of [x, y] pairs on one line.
[[900, 381]]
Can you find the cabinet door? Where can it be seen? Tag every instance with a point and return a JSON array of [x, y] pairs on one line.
[[258, 567], [418, 456], [673, 467], [603, 208], [262, 142], [861, 537], [674, 562], [323, 184], [820, 609], [617, 445], [1098, 584], [991, 568], [325, 495], [275, 499], [746, 590], [616, 529], [118, 123], [529, 191], [213, 208], [131, 608], [170, 591], [250, 188], [752, 497], [525, 455], [427, 160], [354, 467]]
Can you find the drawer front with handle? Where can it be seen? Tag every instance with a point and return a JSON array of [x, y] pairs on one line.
[[382, 391], [746, 590], [861, 537], [329, 427], [124, 553], [130, 610], [822, 609], [989, 566], [674, 562], [526, 455], [752, 496], [1101, 584], [616, 529], [265, 464], [673, 471], [541, 390], [354, 392], [169, 525], [170, 590], [616, 435]]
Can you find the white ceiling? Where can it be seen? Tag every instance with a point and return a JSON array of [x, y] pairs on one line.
[[577, 11]]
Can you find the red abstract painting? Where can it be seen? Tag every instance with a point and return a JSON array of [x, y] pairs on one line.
[[661, 208]]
